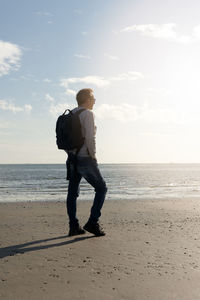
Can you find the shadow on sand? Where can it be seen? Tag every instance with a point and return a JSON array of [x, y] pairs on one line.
[[21, 248]]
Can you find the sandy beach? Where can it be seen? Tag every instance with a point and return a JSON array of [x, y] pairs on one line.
[[151, 251]]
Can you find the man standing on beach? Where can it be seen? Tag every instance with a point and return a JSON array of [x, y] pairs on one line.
[[84, 164]]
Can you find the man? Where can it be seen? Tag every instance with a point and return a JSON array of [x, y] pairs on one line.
[[85, 165]]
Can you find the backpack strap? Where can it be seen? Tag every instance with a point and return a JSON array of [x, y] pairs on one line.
[[73, 113], [67, 110]]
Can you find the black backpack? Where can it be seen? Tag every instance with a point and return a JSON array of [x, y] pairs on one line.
[[68, 131]]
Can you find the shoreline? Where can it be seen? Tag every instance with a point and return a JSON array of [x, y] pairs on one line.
[[150, 251], [79, 200]]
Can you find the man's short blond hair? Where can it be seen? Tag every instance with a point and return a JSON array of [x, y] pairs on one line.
[[83, 95]]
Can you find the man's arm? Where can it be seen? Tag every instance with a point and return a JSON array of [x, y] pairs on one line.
[[90, 133]]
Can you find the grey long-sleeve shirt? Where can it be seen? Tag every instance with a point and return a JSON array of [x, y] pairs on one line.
[[89, 132]]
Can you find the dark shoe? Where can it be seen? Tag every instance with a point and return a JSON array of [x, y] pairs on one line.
[[76, 231], [94, 228]]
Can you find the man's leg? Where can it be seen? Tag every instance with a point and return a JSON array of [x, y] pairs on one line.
[[100, 194], [88, 168], [73, 193]]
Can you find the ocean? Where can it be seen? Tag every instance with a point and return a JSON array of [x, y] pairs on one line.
[[47, 182]]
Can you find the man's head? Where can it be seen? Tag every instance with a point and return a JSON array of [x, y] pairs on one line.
[[85, 98]]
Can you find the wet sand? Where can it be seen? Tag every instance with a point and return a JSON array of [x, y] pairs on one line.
[[151, 251]]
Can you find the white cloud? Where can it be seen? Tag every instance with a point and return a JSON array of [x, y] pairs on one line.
[[124, 112], [27, 108], [128, 76], [100, 81], [166, 31], [196, 32], [154, 30], [82, 56], [27, 77], [94, 80], [59, 108], [70, 92], [115, 32], [47, 80], [4, 125], [159, 115], [56, 109], [159, 91], [130, 113], [112, 57], [49, 98], [84, 32], [156, 134], [44, 13], [5, 105], [10, 55]]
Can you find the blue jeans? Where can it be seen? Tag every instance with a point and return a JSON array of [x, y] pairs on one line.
[[87, 168]]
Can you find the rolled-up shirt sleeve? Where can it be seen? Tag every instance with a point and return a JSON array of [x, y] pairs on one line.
[[90, 133]]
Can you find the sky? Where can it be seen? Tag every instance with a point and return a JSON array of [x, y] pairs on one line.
[[141, 58]]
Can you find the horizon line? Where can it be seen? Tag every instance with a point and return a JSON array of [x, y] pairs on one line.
[[105, 163]]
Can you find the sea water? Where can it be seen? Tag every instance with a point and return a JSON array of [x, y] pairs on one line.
[[47, 182]]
